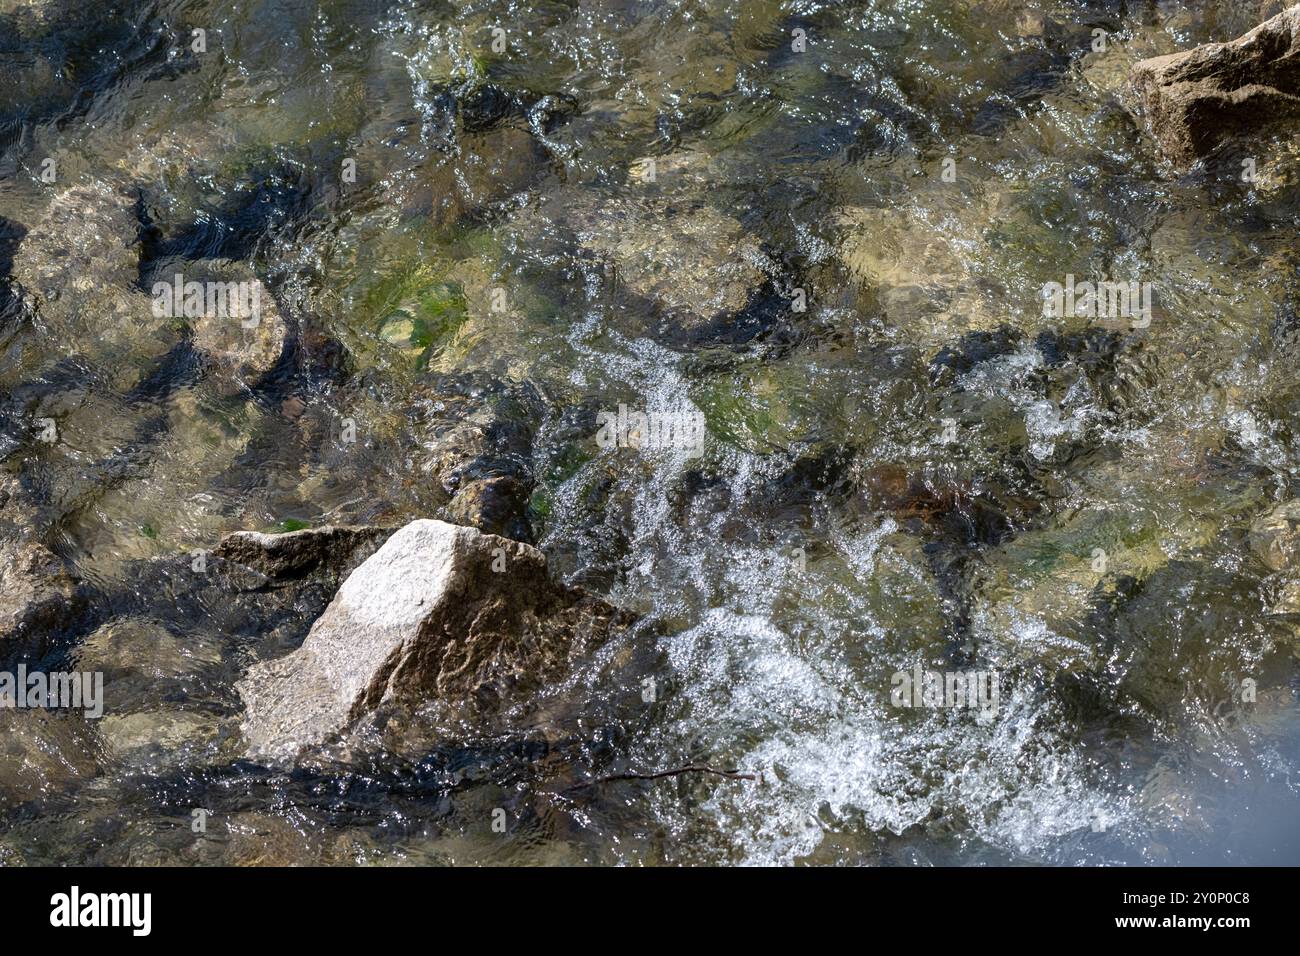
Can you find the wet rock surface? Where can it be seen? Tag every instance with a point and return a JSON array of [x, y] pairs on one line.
[[478, 435], [1196, 100], [693, 274], [85, 245], [78, 266], [247, 346], [329, 551], [697, 268], [439, 613], [44, 753]]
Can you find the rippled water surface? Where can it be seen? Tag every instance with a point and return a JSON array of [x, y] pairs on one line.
[[621, 203]]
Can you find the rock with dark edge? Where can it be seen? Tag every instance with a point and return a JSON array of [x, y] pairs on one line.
[[479, 449], [331, 549], [494, 505], [439, 613], [1195, 100]]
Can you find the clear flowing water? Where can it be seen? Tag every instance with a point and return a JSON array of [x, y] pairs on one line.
[[595, 204]]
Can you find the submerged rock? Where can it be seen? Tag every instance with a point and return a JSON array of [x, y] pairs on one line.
[[1275, 537], [38, 596], [478, 433], [248, 347], [138, 655], [160, 736], [464, 434], [690, 271], [1197, 99], [43, 752], [925, 277], [86, 245], [79, 267], [698, 266], [484, 168], [439, 613]]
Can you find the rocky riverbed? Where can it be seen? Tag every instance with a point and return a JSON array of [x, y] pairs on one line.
[[621, 434]]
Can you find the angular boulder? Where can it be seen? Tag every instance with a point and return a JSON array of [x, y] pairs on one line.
[[440, 613], [331, 550], [1195, 100]]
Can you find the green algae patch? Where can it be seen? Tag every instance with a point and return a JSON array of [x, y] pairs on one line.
[[416, 313], [288, 525]]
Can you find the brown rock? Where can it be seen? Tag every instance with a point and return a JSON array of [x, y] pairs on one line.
[[493, 505], [87, 243], [246, 346], [79, 268], [1195, 100], [335, 550], [43, 752]]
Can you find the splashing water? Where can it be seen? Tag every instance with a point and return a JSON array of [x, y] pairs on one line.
[[834, 256]]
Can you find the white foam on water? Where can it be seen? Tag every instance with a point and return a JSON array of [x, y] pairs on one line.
[[763, 683]]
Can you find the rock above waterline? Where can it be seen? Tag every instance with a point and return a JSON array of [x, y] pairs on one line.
[[440, 613], [332, 549], [1195, 100]]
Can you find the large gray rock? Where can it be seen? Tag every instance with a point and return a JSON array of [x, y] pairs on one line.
[[1195, 100], [440, 613]]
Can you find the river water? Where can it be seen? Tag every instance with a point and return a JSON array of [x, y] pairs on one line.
[[824, 227]]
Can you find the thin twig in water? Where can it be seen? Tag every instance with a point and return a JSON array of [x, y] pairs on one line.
[[690, 768]]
